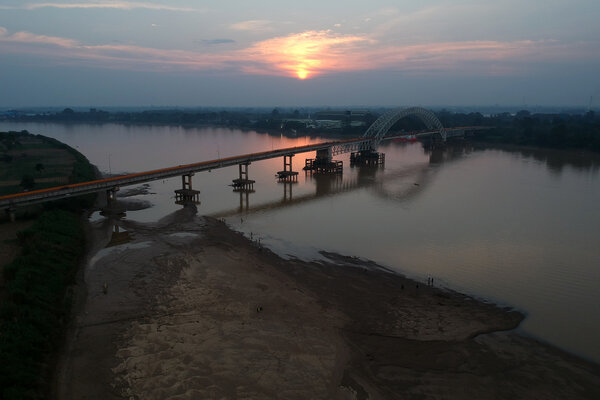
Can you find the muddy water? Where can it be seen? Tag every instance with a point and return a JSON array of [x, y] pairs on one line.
[[516, 227]]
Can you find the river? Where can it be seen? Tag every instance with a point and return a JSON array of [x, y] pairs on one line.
[[516, 227]]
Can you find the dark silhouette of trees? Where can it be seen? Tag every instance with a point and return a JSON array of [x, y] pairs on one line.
[[27, 182], [561, 131], [576, 131]]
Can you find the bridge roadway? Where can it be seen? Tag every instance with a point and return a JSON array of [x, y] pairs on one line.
[[10, 202]]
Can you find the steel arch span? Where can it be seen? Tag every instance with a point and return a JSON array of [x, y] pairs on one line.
[[383, 124]]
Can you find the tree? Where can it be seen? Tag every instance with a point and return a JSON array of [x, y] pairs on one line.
[[27, 182]]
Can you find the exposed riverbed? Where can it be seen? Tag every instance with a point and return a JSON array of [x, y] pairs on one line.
[[186, 309]]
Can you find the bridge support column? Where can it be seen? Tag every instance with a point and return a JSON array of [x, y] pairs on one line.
[[434, 143], [367, 157], [186, 195], [287, 175], [323, 163], [243, 183], [112, 208]]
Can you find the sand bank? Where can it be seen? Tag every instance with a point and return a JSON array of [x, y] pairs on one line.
[[189, 309]]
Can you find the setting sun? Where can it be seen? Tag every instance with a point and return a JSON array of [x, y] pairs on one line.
[[302, 74], [304, 55]]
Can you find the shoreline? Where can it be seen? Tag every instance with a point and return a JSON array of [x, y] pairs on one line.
[[194, 309]]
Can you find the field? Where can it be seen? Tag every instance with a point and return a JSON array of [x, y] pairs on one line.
[[32, 162]]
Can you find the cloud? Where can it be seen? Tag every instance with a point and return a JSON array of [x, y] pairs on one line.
[[309, 54], [301, 55], [213, 42], [120, 5], [113, 56], [256, 25], [27, 37]]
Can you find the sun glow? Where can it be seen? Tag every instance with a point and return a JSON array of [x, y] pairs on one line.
[[304, 55], [302, 74]]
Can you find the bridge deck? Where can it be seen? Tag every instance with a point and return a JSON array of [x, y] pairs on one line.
[[59, 192], [76, 189]]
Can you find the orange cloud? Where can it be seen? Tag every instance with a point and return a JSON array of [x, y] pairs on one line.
[[304, 55], [256, 25]]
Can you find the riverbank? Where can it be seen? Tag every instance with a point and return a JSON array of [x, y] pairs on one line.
[[187, 308]]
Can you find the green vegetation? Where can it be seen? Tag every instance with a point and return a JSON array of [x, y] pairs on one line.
[[559, 131], [29, 162], [36, 303]]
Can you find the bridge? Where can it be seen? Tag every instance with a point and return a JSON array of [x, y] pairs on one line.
[[363, 150]]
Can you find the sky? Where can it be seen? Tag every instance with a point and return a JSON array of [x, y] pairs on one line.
[[264, 53]]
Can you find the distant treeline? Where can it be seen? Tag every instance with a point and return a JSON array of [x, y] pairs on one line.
[[274, 120], [564, 130]]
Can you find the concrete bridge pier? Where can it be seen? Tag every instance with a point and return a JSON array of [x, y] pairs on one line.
[[112, 207], [186, 195], [287, 175], [243, 183], [368, 157], [434, 142], [323, 163]]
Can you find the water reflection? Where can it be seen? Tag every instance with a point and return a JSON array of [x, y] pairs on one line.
[[244, 199], [288, 191], [555, 160], [118, 236], [450, 152], [398, 185]]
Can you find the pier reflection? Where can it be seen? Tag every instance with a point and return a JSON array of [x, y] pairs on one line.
[[400, 185], [119, 235]]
